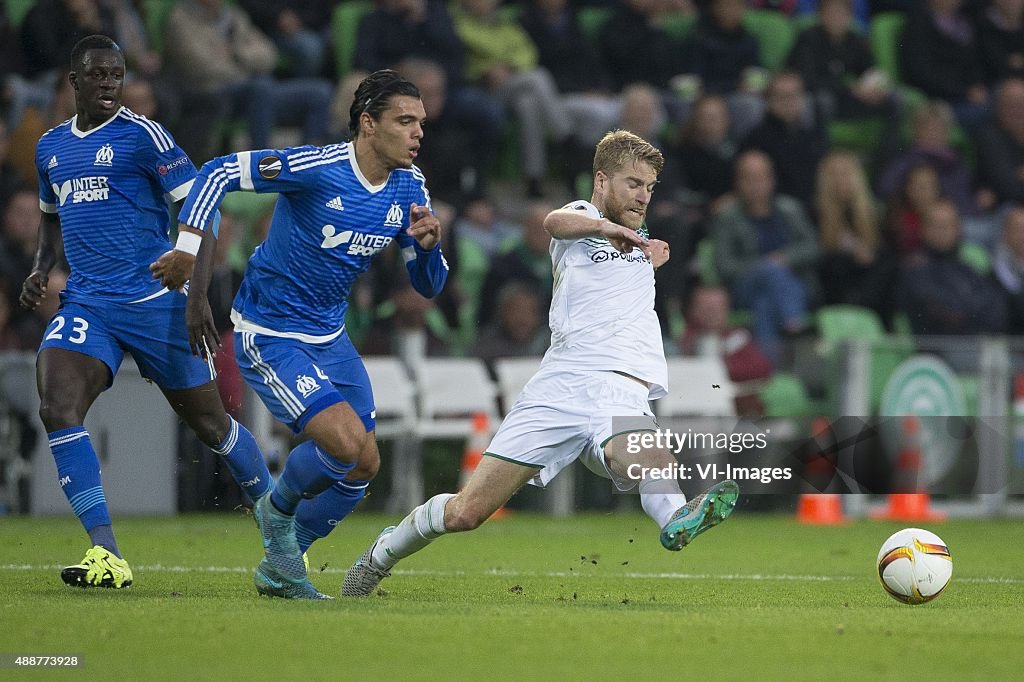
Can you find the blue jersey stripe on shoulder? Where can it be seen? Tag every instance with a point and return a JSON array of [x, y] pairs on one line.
[[210, 194], [312, 162]]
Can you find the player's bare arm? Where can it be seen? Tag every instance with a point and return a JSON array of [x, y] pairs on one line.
[[570, 224], [33, 291], [202, 332], [173, 268], [425, 228]]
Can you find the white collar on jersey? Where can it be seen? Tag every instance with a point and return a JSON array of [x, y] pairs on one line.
[[79, 133], [372, 189]]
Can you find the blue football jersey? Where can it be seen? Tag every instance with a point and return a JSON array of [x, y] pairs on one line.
[[328, 224], [108, 185]]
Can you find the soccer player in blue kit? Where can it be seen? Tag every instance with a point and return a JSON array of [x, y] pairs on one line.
[[103, 179], [339, 206]]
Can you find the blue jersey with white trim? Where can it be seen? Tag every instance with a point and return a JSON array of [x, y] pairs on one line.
[[328, 224], [109, 187]]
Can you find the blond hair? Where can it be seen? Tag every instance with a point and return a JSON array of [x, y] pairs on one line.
[[836, 216], [621, 148]]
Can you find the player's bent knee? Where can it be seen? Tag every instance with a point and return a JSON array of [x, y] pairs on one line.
[[346, 447], [57, 414], [366, 469]]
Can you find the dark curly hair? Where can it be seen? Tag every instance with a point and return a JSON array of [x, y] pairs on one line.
[[374, 94]]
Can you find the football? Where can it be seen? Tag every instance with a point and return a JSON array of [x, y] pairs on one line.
[[914, 565]]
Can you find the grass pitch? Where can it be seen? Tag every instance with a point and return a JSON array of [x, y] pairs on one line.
[[525, 597]]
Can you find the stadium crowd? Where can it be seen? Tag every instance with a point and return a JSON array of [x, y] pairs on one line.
[[818, 153]]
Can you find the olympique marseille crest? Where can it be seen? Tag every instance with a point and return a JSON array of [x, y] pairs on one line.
[[105, 156]]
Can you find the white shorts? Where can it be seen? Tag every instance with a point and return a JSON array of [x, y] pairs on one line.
[[561, 415]]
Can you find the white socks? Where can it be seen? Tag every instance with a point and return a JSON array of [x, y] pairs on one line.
[[660, 499], [422, 526]]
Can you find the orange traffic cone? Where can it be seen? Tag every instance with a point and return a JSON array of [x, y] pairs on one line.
[[820, 509], [476, 444], [912, 504]]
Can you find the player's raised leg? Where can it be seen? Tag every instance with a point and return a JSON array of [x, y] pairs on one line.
[[69, 383], [492, 484], [201, 408], [680, 520]]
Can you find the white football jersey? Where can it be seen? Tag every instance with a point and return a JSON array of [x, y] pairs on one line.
[[602, 310]]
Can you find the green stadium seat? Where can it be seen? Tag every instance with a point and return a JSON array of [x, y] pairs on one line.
[[840, 323], [976, 256], [884, 34], [679, 26], [863, 136], [786, 396], [774, 32], [591, 20], [16, 11], [155, 14], [345, 31]]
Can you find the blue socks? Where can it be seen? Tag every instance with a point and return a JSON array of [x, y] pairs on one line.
[[308, 472], [244, 460], [78, 473], [316, 518]]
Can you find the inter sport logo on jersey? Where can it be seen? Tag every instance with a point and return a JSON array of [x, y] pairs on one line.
[[91, 188], [359, 244]]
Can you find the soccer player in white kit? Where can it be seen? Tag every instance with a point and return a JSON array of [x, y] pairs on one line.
[[606, 361]]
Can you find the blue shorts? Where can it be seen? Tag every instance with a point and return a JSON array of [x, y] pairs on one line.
[[152, 331], [298, 380]]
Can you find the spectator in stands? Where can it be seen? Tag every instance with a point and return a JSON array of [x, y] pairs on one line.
[[856, 269], [727, 59], [10, 178], [300, 31], [705, 153], [36, 121], [400, 30], [574, 63], [766, 253], [941, 294], [19, 233], [791, 136], [1000, 147], [481, 224], [1008, 267], [222, 64], [455, 162], [835, 61], [939, 54], [932, 124], [1001, 40], [402, 330], [635, 48], [527, 262], [905, 209], [501, 57], [861, 10], [52, 27], [709, 333], [518, 327]]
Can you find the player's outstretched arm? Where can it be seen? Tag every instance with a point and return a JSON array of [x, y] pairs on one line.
[[33, 291], [571, 224]]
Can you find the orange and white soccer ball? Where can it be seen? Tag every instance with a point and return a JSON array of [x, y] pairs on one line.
[[914, 565]]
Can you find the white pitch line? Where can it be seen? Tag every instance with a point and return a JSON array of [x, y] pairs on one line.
[[504, 573]]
